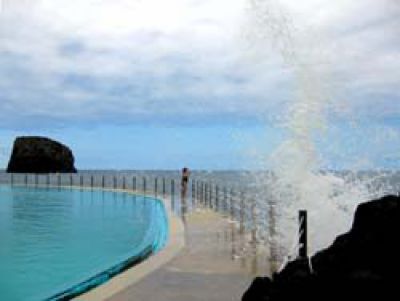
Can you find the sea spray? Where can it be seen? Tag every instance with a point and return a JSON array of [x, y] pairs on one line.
[[297, 180]]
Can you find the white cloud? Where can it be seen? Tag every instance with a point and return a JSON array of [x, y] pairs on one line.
[[137, 60]]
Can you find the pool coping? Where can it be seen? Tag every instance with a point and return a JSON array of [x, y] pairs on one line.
[[174, 244]]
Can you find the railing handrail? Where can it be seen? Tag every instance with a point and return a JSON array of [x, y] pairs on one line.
[[245, 212]]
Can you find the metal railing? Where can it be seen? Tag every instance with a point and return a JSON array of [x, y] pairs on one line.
[[230, 203], [251, 220]]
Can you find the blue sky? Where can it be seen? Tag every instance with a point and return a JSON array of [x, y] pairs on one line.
[[212, 84], [148, 147]]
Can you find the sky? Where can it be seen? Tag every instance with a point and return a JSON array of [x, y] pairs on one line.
[[210, 84]]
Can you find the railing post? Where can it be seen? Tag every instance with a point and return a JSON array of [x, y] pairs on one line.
[[26, 180], [254, 221], [70, 180], [173, 194], [202, 193], [242, 212], [210, 200], [206, 194], [36, 180], [202, 188], [156, 186], [197, 191], [81, 181], [225, 201], [163, 186], [217, 198], [144, 185], [303, 234], [48, 180], [232, 201], [114, 182], [91, 181], [12, 179], [103, 181], [134, 183], [123, 183], [59, 180], [193, 193], [273, 246]]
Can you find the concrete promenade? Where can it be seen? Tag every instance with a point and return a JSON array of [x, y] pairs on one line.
[[211, 266]]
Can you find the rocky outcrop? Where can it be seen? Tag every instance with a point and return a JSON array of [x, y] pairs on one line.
[[40, 155], [362, 264]]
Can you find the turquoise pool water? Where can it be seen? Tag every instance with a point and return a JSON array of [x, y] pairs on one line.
[[56, 242]]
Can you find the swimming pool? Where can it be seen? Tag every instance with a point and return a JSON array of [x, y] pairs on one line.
[[57, 243]]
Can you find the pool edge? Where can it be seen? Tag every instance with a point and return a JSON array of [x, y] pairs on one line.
[[174, 244]]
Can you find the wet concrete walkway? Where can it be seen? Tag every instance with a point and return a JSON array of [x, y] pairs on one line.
[[211, 267]]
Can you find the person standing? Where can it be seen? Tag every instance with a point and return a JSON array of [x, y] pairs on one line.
[[184, 182]]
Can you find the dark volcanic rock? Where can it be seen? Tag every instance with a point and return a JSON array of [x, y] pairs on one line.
[[362, 264], [40, 155]]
